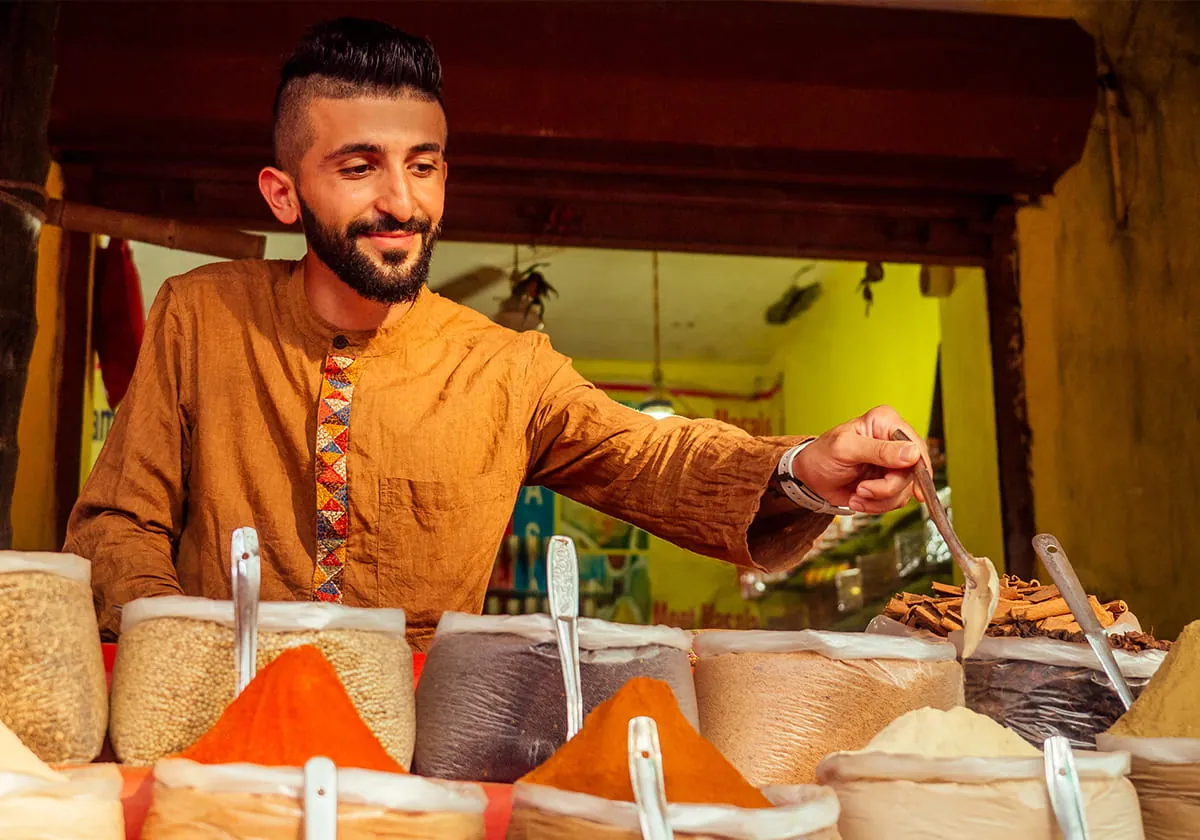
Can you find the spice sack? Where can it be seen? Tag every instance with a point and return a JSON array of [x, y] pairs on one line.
[[911, 797], [1166, 774], [84, 805], [1162, 733], [802, 812], [198, 802], [1044, 687], [174, 673], [777, 702], [53, 694], [585, 788], [491, 704]]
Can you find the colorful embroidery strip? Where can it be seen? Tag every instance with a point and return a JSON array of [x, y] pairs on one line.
[[333, 491]]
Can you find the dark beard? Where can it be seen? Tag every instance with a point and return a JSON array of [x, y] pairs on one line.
[[389, 283]]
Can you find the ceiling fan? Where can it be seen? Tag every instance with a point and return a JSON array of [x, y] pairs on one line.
[[525, 305]]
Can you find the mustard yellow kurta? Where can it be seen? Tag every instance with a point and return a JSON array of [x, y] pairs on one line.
[[381, 468]]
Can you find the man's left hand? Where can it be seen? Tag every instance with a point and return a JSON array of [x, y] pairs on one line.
[[858, 465]]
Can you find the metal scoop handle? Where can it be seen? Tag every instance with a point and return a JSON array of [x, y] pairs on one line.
[[320, 799], [562, 570], [646, 776], [1062, 783], [1051, 553], [937, 512], [246, 581]]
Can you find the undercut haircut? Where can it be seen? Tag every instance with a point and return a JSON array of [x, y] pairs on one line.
[[344, 59]]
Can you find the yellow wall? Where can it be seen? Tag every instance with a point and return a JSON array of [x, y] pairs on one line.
[[33, 506], [838, 362], [1112, 330], [968, 410]]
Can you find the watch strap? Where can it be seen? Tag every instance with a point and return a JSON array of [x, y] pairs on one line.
[[795, 489]]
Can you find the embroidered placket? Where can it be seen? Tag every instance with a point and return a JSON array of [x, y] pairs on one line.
[[333, 488]]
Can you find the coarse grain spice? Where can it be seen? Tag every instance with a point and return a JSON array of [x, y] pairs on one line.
[[163, 700], [52, 685], [776, 715]]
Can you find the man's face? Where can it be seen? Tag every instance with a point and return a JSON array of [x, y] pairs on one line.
[[372, 188]]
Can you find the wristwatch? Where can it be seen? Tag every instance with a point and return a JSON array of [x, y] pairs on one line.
[[795, 490]]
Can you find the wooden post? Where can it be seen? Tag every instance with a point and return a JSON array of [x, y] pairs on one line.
[[1013, 435], [26, 77]]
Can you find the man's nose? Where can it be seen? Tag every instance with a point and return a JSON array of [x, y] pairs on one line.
[[396, 197]]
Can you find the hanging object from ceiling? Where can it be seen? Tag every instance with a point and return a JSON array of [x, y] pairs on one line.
[[796, 300], [873, 275], [525, 308], [659, 405]]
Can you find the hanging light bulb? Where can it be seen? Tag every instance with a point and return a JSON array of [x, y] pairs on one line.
[[659, 405]]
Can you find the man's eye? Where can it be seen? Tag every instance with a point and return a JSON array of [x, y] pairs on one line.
[[356, 171], [424, 169]]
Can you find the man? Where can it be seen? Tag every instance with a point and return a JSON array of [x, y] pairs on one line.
[[375, 434]]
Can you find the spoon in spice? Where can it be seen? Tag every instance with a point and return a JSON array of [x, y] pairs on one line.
[[562, 572], [646, 776], [320, 799], [1051, 553], [1062, 782], [981, 584], [245, 579]]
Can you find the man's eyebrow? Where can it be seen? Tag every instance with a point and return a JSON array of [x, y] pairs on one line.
[[355, 149], [420, 148]]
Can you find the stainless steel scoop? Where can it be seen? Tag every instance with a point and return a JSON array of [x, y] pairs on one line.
[[981, 584]]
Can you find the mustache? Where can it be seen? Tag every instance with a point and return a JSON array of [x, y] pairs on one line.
[[388, 223]]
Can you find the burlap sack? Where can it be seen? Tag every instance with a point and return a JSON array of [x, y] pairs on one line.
[[802, 812], [198, 802], [162, 701], [53, 694], [775, 703], [1166, 774], [903, 797], [491, 705]]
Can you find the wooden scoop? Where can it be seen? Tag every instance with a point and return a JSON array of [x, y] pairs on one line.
[[981, 584]]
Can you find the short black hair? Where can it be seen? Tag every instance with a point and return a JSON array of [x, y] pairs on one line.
[[345, 58]]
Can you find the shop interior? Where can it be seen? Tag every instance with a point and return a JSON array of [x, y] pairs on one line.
[[772, 214]]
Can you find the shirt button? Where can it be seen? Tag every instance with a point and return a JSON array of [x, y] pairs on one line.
[[340, 342]]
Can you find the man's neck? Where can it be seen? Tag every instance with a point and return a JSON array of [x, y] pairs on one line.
[[343, 307]]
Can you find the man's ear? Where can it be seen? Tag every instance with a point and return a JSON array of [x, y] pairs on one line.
[[278, 188]]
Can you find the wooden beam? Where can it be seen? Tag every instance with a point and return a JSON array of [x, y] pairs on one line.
[[866, 91], [26, 74], [1013, 434]]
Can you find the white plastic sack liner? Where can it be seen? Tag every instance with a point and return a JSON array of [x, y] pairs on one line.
[[273, 616], [1159, 750], [833, 645], [801, 809], [395, 791], [1044, 651], [594, 634], [87, 806], [64, 565], [845, 767]]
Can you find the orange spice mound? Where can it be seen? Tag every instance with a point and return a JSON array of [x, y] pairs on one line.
[[596, 760], [294, 709]]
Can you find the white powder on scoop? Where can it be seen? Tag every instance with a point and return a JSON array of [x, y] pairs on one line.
[[958, 733]]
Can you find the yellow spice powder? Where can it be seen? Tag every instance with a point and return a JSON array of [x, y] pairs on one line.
[[1169, 707]]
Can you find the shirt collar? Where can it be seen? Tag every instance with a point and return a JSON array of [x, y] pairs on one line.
[[416, 327]]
